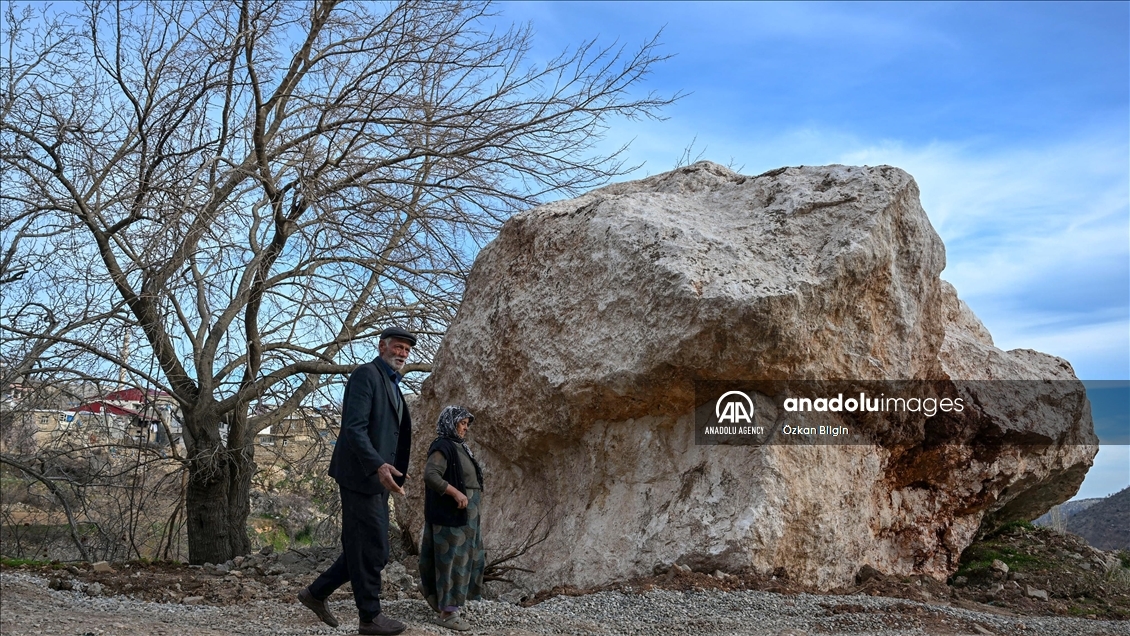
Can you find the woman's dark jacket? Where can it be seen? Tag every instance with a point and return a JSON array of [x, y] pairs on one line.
[[439, 509]]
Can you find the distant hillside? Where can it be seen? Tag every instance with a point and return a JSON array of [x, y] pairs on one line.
[[1058, 515], [1106, 524]]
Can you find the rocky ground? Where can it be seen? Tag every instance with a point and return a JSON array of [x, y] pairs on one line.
[[1023, 580]]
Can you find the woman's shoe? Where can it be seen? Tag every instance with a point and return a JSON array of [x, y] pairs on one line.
[[456, 622]]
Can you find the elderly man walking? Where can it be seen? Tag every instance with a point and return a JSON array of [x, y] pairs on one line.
[[369, 461]]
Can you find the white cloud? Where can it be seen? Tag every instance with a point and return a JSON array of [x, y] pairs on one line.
[[1096, 351], [1037, 240], [1022, 191]]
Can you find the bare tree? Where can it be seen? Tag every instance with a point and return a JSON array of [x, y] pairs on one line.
[[249, 190]]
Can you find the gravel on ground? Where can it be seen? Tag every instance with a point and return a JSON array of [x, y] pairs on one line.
[[29, 606]]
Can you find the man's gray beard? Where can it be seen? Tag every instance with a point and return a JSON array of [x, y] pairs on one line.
[[396, 366]]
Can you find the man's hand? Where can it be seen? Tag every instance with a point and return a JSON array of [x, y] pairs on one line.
[[386, 473]]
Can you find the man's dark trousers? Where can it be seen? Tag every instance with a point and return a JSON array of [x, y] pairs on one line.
[[364, 540]]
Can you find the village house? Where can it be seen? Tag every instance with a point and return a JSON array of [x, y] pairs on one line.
[[301, 435], [124, 416]]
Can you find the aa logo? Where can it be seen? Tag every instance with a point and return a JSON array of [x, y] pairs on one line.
[[734, 407]]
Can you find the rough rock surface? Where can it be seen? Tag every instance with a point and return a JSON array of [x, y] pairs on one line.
[[586, 322]]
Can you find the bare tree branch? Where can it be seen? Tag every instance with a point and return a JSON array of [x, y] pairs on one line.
[[247, 192]]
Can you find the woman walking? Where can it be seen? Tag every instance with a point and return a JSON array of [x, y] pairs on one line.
[[451, 551]]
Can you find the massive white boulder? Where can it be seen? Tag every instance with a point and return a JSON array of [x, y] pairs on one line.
[[587, 322]]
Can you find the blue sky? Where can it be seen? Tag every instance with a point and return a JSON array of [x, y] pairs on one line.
[[1014, 118]]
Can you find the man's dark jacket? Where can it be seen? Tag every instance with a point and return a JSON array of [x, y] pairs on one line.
[[371, 433]]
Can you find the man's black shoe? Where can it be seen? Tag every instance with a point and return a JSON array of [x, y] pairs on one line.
[[318, 607], [381, 625]]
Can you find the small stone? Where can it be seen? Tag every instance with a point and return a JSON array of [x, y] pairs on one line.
[[1015, 576], [960, 581], [1037, 593], [102, 567], [999, 566], [193, 600], [996, 589], [238, 561], [291, 558], [267, 550], [222, 568], [94, 589], [73, 570], [61, 584], [981, 630], [866, 573]]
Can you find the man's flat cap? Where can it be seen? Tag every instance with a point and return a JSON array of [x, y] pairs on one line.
[[397, 332]]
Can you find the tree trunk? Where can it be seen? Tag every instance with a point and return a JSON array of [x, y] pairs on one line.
[[217, 502]]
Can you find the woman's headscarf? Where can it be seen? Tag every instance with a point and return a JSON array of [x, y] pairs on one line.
[[445, 427]]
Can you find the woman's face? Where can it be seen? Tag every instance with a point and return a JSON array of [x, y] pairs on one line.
[[461, 427]]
